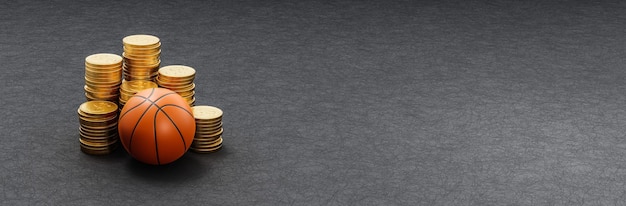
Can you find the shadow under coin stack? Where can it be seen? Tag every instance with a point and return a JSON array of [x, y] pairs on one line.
[[98, 127], [130, 88], [179, 79], [209, 129], [103, 76], [142, 57]]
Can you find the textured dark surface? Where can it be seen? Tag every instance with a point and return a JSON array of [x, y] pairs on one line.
[[333, 102]]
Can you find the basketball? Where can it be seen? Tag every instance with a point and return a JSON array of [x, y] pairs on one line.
[[156, 126]]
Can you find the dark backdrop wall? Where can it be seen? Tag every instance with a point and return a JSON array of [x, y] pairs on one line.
[[333, 102]]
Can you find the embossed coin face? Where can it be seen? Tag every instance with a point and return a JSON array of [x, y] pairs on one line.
[[177, 71], [203, 112], [138, 85], [98, 107], [103, 59], [140, 40]]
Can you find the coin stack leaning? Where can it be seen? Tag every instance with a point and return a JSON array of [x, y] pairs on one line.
[[142, 57], [103, 76], [130, 88], [98, 127], [209, 130], [178, 78]]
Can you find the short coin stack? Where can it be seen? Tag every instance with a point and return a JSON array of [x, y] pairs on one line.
[[130, 88], [98, 127], [142, 57], [103, 76], [209, 129], [179, 79]]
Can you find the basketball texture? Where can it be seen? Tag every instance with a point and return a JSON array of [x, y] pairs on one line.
[[156, 126]]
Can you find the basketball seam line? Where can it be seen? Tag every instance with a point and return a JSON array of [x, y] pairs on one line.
[[156, 142], [144, 112], [130, 140], [174, 123]]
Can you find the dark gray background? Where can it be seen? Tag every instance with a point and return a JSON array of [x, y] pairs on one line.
[[333, 102]]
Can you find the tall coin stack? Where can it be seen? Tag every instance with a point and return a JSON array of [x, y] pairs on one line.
[[179, 79], [103, 76], [209, 129], [98, 127], [130, 88], [142, 57]]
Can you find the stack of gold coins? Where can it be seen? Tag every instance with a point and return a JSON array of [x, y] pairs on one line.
[[179, 79], [209, 129], [130, 88], [142, 57], [98, 127], [103, 76]]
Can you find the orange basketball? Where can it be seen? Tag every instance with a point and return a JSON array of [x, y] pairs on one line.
[[156, 126]]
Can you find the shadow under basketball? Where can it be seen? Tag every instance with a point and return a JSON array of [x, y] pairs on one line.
[[187, 168]]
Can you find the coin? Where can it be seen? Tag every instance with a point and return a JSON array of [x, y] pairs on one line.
[[206, 112], [208, 145], [177, 71], [98, 107], [140, 40], [103, 59]]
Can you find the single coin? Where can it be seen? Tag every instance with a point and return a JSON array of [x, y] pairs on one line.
[[204, 112], [103, 59], [177, 71], [207, 141], [98, 107], [140, 40], [207, 146], [137, 85], [206, 151], [209, 134]]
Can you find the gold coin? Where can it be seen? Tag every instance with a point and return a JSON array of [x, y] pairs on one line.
[[95, 116], [97, 143], [89, 127], [204, 123], [177, 71], [177, 80], [96, 138], [103, 67], [177, 86], [140, 40], [98, 107], [202, 128], [131, 66], [100, 134], [183, 86], [136, 56], [203, 134], [102, 96], [207, 144], [138, 85], [155, 50], [205, 112], [207, 141], [108, 119], [103, 59], [140, 62], [102, 91], [98, 150], [88, 97], [94, 130], [206, 150], [209, 123]]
